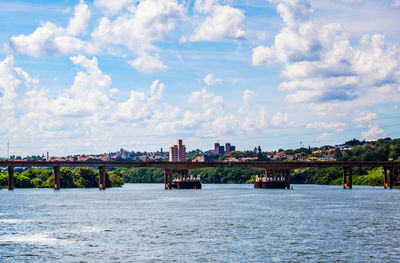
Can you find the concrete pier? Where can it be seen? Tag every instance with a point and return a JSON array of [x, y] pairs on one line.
[[57, 177], [102, 178], [11, 178], [350, 170], [385, 184]]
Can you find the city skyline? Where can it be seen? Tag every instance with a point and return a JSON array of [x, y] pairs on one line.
[[98, 76]]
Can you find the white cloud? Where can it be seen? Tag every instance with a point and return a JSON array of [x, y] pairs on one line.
[[210, 79], [364, 117], [323, 136], [223, 22], [373, 133], [369, 119], [396, 3], [280, 119], [115, 5], [138, 29], [146, 63], [50, 39], [337, 126], [248, 95], [322, 65]]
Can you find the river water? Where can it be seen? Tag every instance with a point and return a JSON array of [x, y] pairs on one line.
[[220, 223]]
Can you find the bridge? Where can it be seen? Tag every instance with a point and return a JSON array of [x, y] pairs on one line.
[[182, 168]]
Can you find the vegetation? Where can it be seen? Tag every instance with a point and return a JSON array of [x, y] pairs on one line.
[[80, 177]]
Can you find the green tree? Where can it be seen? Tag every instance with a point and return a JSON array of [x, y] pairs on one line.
[[84, 177], [338, 154], [66, 178], [22, 181]]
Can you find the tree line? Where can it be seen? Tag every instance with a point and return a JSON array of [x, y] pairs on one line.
[[80, 177]]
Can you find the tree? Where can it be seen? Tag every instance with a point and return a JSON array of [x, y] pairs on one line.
[[84, 177], [259, 154], [338, 154]]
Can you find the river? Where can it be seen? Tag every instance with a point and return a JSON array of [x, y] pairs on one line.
[[220, 223]]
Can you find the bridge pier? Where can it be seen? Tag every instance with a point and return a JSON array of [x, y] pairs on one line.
[[391, 177], [167, 179], [56, 177], [388, 179], [287, 179], [102, 178], [385, 184], [10, 177], [350, 170], [347, 172]]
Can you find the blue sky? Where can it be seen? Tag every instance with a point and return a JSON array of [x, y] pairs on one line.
[[96, 76]]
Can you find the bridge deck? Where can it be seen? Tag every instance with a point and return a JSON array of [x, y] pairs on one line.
[[195, 165]]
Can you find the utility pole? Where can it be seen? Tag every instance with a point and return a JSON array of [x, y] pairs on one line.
[[8, 150]]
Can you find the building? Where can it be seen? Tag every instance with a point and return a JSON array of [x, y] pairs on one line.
[[177, 153], [218, 149], [204, 158], [229, 148]]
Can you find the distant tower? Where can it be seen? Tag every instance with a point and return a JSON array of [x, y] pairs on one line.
[[218, 149], [177, 153], [229, 148]]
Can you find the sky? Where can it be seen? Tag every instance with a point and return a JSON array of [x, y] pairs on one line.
[[82, 77]]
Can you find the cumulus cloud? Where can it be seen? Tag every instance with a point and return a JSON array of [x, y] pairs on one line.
[[373, 133], [396, 3], [323, 136], [115, 5], [222, 22], [364, 117], [210, 79], [14, 83], [280, 119], [90, 102], [138, 29], [91, 107], [323, 66], [248, 95], [337, 126], [50, 39], [370, 120]]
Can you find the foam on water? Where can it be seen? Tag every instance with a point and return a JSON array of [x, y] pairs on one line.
[[15, 221], [30, 239]]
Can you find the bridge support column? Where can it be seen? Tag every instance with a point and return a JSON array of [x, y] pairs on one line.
[[344, 178], [385, 184], [102, 178], [350, 177], [56, 177], [170, 180], [287, 179], [10, 178], [165, 179], [391, 177]]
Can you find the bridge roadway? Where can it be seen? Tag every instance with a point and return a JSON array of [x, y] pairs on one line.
[[182, 168]]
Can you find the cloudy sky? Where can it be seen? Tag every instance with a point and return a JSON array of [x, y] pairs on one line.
[[97, 76]]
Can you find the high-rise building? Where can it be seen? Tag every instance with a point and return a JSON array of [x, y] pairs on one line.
[[177, 153], [229, 148], [218, 149]]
